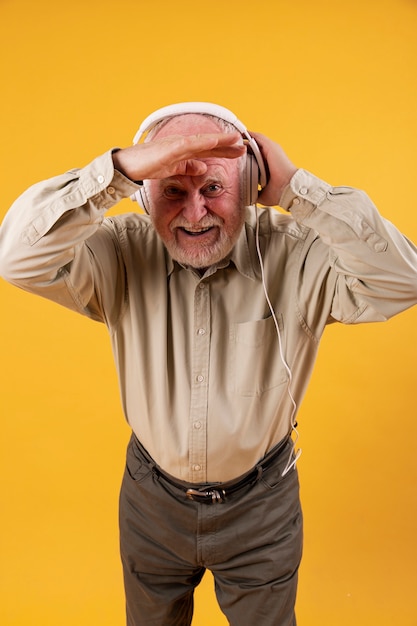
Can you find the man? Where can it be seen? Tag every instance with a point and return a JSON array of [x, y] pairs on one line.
[[215, 311]]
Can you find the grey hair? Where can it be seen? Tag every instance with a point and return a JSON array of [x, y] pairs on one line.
[[225, 127]]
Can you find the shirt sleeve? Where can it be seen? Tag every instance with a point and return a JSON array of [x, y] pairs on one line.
[[43, 236], [376, 265]]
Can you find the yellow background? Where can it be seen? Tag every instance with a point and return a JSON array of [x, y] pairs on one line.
[[335, 83]]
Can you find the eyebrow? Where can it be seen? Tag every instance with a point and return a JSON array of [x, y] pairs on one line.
[[217, 175]]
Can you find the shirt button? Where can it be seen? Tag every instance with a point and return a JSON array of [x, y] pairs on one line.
[[196, 467], [202, 285], [200, 378], [197, 425], [303, 191], [296, 201], [201, 331], [100, 179], [111, 190]]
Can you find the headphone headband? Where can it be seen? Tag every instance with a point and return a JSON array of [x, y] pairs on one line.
[[203, 108]]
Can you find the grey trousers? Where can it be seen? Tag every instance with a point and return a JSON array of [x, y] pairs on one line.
[[252, 544]]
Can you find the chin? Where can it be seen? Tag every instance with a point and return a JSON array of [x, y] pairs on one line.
[[201, 258]]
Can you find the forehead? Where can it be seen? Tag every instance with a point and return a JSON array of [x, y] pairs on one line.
[[189, 124], [217, 171]]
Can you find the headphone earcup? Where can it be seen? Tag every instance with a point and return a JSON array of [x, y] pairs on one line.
[[142, 199], [252, 179]]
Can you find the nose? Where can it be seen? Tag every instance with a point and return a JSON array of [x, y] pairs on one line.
[[194, 207]]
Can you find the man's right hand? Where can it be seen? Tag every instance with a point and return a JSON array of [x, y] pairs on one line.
[[176, 155]]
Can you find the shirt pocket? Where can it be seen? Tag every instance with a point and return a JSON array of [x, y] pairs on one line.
[[257, 363]]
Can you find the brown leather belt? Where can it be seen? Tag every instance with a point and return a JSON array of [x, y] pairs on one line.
[[214, 493]]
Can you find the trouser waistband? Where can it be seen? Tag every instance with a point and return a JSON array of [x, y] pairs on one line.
[[212, 493]]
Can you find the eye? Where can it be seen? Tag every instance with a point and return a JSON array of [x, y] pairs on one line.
[[212, 189], [173, 192]]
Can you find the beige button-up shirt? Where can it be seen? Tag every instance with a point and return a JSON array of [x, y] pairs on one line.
[[207, 382]]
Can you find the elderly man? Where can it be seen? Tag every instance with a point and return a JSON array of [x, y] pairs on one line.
[[215, 309]]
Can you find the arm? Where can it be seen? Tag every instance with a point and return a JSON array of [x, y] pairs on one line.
[[43, 237], [376, 265]]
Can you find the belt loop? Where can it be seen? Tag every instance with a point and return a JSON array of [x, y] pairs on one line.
[[260, 471]]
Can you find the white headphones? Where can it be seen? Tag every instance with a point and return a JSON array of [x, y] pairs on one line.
[[255, 167]]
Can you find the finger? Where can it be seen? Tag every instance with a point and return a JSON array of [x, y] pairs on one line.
[[225, 152], [227, 145]]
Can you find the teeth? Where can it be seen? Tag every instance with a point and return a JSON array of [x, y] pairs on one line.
[[201, 230]]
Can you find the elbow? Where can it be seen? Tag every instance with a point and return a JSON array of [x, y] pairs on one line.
[[7, 269], [11, 264], [10, 253], [16, 267]]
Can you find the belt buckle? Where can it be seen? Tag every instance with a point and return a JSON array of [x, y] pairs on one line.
[[213, 496]]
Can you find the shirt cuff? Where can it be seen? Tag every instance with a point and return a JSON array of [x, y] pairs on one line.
[[303, 188], [101, 178]]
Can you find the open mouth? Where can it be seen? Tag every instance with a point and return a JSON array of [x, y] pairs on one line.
[[196, 232]]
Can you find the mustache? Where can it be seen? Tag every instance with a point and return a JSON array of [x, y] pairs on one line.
[[206, 222]]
